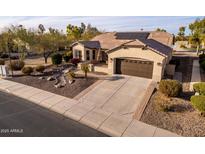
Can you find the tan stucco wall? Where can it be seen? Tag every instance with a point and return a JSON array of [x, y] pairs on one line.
[[79, 47], [83, 49], [132, 52]]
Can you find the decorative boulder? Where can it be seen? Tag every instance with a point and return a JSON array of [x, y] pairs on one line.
[[50, 78], [41, 78], [70, 81], [66, 71], [57, 85]]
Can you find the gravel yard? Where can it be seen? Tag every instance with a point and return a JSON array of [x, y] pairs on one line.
[[183, 119], [70, 90]]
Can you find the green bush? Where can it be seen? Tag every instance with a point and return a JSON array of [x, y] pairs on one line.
[[198, 102], [201, 60], [66, 58], [4, 55], [27, 70], [200, 88], [183, 46], [170, 88], [69, 54], [16, 65], [202, 56], [2, 62], [40, 68], [202, 64], [56, 59]]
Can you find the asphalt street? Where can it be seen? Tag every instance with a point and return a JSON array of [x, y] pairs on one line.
[[19, 117]]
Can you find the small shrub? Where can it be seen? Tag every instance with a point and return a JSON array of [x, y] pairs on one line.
[[69, 54], [200, 88], [201, 60], [75, 61], [2, 62], [14, 57], [56, 59], [183, 46], [27, 70], [40, 68], [16, 65], [170, 88], [162, 103], [66, 58], [202, 64], [4, 56], [164, 107], [202, 56], [198, 102], [85, 69]]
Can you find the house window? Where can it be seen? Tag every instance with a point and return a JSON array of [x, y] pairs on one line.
[[94, 54], [78, 54], [87, 55]]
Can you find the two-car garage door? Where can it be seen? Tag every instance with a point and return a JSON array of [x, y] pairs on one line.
[[134, 67]]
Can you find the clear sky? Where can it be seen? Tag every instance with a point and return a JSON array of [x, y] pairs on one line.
[[106, 23]]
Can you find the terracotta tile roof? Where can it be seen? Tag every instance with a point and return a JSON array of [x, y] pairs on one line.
[[163, 37], [159, 42], [109, 41], [135, 43]]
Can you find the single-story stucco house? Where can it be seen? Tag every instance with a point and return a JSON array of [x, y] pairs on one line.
[[143, 54]]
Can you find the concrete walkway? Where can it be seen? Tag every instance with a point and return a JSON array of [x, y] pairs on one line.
[[110, 123], [196, 77]]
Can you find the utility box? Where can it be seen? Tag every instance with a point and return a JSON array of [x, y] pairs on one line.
[[91, 67], [4, 71]]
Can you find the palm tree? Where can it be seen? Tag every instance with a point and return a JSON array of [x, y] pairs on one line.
[[196, 39]]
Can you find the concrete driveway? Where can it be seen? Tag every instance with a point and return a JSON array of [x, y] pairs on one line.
[[120, 94]]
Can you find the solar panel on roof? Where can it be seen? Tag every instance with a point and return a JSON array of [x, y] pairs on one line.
[[131, 35]]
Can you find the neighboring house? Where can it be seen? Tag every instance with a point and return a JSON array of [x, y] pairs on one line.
[[181, 45], [143, 54]]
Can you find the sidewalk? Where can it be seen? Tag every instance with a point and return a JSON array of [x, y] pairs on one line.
[[107, 122], [196, 77]]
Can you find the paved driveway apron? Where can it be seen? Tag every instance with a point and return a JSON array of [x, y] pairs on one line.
[[120, 95]]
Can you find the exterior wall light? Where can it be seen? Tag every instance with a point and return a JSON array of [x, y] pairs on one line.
[[159, 64], [111, 60]]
